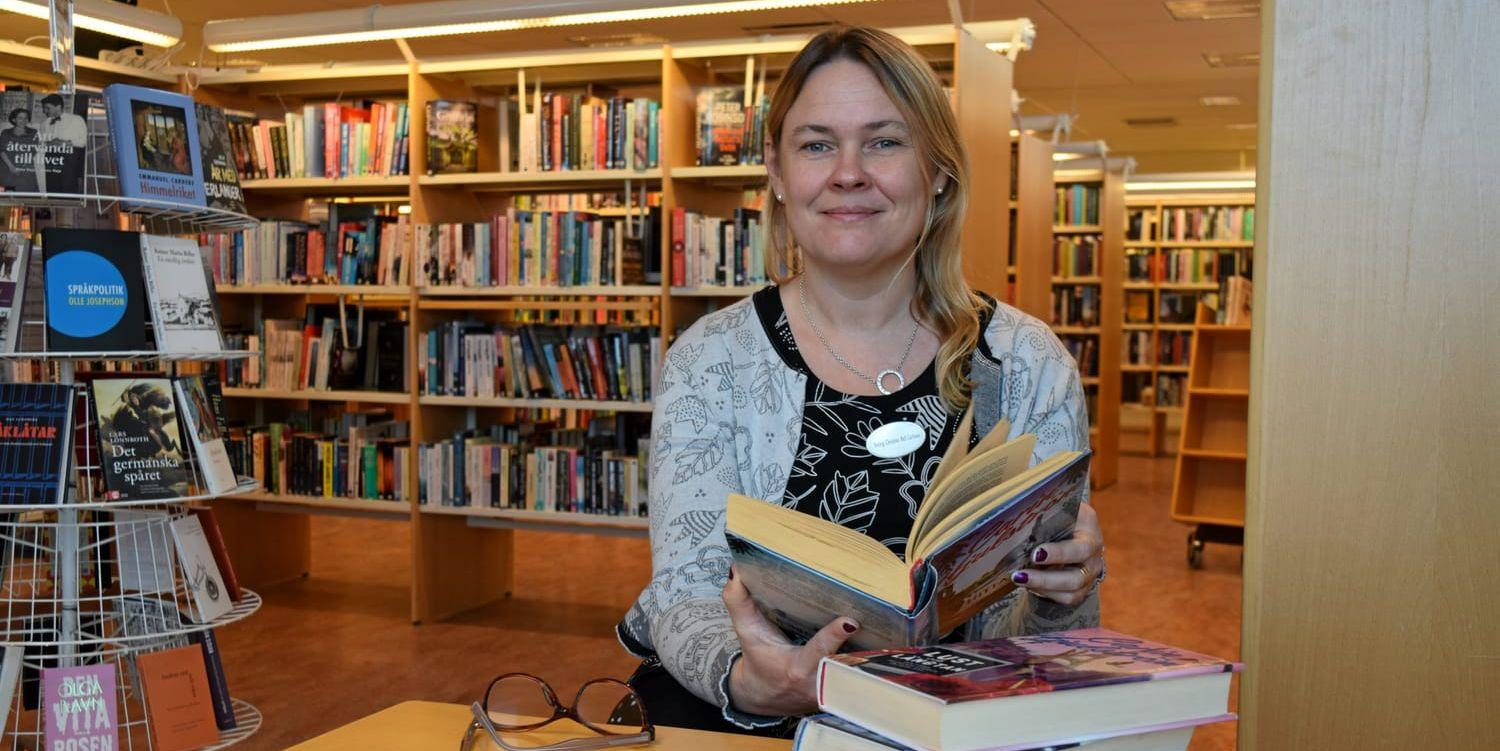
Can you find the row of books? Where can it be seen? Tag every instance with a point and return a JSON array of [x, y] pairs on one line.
[[1176, 307], [325, 140], [712, 251], [1160, 390], [732, 123], [1136, 346], [541, 249], [1170, 390], [1184, 224], [1076, 204], [1085, 350], [474, 359], [356, 455], [354, 246], [1138, 306], [1235, 294], [1174, 347], [112, 285], [323, 351], [556, 131], [165, 146], [1075, 305], [1075, 255], [484, 472]]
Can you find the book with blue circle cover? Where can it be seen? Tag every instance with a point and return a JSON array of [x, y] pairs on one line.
[[95, 295], [155, 135]]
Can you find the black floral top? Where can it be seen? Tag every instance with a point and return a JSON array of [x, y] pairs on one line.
[[833, 475]]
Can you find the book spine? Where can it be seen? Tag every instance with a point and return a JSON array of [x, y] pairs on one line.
[[218, 685]]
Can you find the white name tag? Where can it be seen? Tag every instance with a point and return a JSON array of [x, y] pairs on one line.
[[895, 439]]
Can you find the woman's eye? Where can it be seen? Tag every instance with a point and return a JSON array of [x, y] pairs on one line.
[[885, 143], [815, 147]]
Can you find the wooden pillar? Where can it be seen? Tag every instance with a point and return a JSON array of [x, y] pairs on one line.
[[1370, 615]]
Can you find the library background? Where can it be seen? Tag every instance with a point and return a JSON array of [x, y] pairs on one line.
[[330, 341]]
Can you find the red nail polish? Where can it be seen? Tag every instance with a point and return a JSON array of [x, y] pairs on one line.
[[850, 628]]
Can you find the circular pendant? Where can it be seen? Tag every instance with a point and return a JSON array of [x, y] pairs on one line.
[[895, 439], [880, 381]]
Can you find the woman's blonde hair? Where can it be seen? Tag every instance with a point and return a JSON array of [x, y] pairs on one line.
[[943, 300]]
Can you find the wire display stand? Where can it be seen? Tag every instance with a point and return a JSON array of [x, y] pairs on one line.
[[94, 580]]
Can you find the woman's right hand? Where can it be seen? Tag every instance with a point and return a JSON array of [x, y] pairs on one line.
[[773, 676]]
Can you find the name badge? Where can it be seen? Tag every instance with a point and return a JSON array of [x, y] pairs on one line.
[[895, 439]]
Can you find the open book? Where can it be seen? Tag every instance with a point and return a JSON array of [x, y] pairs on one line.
[[984, 512]]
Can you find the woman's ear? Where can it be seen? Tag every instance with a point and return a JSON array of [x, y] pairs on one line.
[[940, 183], [773, 169]]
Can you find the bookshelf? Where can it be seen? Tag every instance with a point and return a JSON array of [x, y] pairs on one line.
[[1031, 220], [1208, 489], [1075, 235], [1146, 245], [462, 556]]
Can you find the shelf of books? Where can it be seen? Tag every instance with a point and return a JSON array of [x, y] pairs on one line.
[[1180, 250], [1088, 228], [1030, 267], [477, 342]]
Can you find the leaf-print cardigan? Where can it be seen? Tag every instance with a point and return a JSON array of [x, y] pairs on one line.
[[727, 419]]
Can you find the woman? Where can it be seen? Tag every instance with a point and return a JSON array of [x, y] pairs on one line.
[[772, 397], [18, 152]]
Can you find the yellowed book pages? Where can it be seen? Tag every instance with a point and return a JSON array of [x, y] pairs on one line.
[[957, 523], [979, 471]]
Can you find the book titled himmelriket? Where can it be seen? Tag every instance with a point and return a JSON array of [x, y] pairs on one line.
[[139, 439], [35, 424], [985, 512], [155, 134], [183, 314], [94, 295], [1025, 692]]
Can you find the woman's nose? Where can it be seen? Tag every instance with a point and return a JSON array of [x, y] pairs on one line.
[[849, 173]]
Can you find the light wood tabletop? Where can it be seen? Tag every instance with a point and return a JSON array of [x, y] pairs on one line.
[[432, 725]]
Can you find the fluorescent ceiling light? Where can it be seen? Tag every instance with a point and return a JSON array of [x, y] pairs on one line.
[[1190, 185], [450, 17], [107, 17]]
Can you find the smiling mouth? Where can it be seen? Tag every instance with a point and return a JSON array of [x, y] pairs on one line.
[[850, 214]]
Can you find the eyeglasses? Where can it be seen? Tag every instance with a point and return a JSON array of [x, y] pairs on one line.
[[610, 712]]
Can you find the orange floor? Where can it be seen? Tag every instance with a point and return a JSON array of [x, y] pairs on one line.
[[338, 645]]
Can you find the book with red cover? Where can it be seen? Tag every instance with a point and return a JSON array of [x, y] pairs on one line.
[[221, 553], [179, 700], [1025, 691]]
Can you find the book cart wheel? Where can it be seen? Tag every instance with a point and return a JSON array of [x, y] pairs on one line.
[[1194, 550]]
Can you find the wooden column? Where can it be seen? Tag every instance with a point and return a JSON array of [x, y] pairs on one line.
[[982, 79], [1370, 615], [1035, 198]]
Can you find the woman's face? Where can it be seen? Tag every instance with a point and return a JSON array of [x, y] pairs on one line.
[[849, 172]]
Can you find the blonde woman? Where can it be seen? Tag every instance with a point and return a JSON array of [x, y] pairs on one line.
[[774, 396]]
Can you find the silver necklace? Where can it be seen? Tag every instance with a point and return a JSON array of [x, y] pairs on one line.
[[879, 379]]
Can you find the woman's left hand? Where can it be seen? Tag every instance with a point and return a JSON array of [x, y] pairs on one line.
[[1065, 571]]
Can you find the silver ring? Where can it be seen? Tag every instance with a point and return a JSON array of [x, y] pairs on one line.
[[880, 381]]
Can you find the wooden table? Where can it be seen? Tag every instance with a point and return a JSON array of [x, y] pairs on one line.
[[432, 725]]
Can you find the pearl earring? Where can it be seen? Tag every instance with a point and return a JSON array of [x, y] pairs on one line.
[[940, 190], [781, 198]]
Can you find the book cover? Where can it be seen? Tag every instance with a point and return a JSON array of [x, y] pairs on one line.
[[79, 707], [721, 124], [452, 136], [826, 732], [201, 575], [179, 702], [10, 677], [203, 431], [218, 685], [44, 146], [35, 425], [157, 153], [138, 439], [94, 294], [215, 537], [182, 299], [14, 249], [221, 180]]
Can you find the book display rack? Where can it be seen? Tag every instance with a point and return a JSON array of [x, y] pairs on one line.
[[1178, 249], [1208, 490], [1087, 232]]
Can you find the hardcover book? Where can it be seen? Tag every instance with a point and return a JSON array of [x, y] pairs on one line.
[[36, 421], [79, 707], [721, 125], [94, 295], [14, 249], [826, 732], [221, 180], [203, 431], [44, 144], [201, 574], [452, 136], [155, 134], [183, 314], [1026, 691], [139, 439], [984, 513], [218, 686], [179, 702]]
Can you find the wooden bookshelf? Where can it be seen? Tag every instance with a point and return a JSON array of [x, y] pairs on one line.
[[372, 506], [319, 395], [537, 181], [1031, 215], [393, 185], [1150, 242], [357, 290], [1208, 489], [528, 518], [1103, 387]]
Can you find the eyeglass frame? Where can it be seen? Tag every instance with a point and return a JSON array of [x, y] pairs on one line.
[[560, 711]]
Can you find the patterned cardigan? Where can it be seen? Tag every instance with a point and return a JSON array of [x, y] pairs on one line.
[[728, 418]]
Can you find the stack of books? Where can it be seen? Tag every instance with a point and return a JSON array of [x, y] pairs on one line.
[[1092, 689]]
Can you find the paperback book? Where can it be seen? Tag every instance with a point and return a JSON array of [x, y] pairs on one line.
[[221, 180], [139, 439], [36, 421], [1026, 691], [984, 514], [205, 585], [94, 295], [179, 704], [14, 249], [44, 147], [203, 431], [79, 707], [182, 302], [452, 136], [157, 153]]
